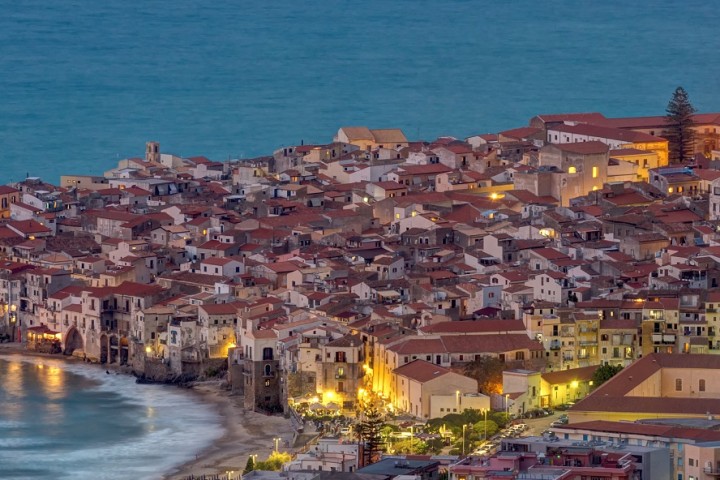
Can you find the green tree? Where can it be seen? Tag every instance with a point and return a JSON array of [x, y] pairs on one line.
[[249, 466], [410, 445], [274, 461], [492, 428], [605, 373], [488, 373], [369, 431], [679, 132]]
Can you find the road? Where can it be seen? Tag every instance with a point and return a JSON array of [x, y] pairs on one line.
[[537, 425]]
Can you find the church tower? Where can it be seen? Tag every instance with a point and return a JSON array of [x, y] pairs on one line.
[[152, 152]]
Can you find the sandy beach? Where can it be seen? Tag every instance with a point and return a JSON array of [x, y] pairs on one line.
[[246, 432]]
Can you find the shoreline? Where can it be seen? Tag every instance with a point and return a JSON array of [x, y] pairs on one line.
[[245, 432]]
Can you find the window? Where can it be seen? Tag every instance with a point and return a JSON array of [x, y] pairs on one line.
[[701, 385], [267, 383], [678, 384], [267, 353], [595, 172], [572, 169], [268, 370]]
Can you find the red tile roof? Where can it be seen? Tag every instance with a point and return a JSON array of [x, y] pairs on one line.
[[589, 117], [28, 227], [669, 431], [628, 136], [475, 327], [615, 394], [583, 148], [421, 371], [566, 376], [220, 308]]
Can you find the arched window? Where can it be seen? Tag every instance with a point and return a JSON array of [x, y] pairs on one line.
[[572, 169], [267, 370]]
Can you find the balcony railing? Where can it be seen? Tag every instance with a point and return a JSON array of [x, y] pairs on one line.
[[663, 338]]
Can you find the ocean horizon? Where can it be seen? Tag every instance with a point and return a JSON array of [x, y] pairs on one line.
[[87, 83], [67, 420]]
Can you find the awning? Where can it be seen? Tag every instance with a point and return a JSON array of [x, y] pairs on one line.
[[41, 330]]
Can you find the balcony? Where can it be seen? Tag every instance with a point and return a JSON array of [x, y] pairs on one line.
[[588, 329], [586, 342], [664, 339], [715, 472]]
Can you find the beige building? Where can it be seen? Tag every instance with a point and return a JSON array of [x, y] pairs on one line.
[[565, 386], [418, 382], [643, 159], [566, 171], [368, 139], [342, 370], [656, 386], [524, 388]]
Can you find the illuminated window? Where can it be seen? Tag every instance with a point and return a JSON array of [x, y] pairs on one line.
[[572, 170], [670, 189], [397, 215], [595, 172]]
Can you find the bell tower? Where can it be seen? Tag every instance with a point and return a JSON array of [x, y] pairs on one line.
[[152, 152]]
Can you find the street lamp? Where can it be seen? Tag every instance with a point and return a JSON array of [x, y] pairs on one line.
[[485, 413]]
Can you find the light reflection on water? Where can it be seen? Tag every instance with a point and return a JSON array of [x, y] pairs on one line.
[[80, 420]]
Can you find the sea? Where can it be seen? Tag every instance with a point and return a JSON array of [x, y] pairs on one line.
[[62, 420], [84, 83]]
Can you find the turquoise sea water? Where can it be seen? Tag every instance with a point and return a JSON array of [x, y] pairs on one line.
[[73, 421], [83, 82]]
